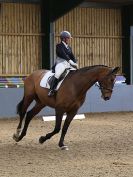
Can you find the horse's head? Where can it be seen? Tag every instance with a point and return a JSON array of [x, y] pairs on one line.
[[106, 84]]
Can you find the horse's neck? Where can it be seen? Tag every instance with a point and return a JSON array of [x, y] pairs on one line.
[[89, 78], [84, 82], [96, 75]]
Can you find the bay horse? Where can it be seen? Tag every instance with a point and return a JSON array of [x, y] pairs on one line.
[[68, 99]]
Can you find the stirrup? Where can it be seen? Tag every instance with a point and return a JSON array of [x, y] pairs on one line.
[[51, 93]]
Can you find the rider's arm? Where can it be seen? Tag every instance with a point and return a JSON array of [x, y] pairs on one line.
[[73, 64], [72, 56]]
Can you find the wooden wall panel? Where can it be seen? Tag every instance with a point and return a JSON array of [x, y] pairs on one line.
[[97, 35], [20, 38]]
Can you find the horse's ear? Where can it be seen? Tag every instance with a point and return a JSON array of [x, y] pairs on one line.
[[115, 70]]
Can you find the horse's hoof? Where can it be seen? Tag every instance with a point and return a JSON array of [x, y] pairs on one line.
[[42, 139], [64, 148], [15, 137]]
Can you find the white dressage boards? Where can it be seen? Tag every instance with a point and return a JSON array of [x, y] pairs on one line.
[[51, 118]]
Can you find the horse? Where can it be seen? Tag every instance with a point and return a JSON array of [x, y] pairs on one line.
[[68, 99]]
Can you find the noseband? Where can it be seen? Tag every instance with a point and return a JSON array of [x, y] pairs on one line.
[[103, 88]]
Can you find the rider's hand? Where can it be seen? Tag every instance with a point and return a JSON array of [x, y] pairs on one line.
[[75, 65]]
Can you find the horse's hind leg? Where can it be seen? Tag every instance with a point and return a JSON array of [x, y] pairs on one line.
[[69, 118], [59, 115], [21, 110], [30, 114]]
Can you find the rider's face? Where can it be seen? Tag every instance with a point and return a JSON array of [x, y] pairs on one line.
[[66, 40]]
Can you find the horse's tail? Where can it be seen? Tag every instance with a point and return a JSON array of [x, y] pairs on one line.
[[19, 107]]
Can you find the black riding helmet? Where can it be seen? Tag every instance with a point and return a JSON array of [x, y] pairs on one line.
[[65, 34]]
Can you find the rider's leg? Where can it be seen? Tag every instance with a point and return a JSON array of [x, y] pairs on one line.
[[59, 69], [53, 86]]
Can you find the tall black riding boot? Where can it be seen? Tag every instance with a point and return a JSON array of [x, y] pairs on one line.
[[53, 86]]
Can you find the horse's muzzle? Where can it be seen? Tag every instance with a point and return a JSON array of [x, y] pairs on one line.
[[106, 98]]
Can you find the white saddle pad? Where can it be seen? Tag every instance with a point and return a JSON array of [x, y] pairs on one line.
[[44, 82]]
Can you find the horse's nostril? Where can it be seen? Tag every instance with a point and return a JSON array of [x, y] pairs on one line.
[[106, 98]]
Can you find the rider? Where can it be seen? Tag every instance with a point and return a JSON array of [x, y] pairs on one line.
[[65, 59]]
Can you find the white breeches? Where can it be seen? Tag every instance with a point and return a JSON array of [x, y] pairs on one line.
[[60, 68]]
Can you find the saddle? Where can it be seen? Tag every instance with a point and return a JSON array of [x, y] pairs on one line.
[[62, 77], [48, 77]]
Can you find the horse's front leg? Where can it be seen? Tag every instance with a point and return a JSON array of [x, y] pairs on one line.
[[69, 118], [59, 116]]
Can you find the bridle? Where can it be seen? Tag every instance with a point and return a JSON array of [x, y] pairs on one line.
[[104, 88]]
